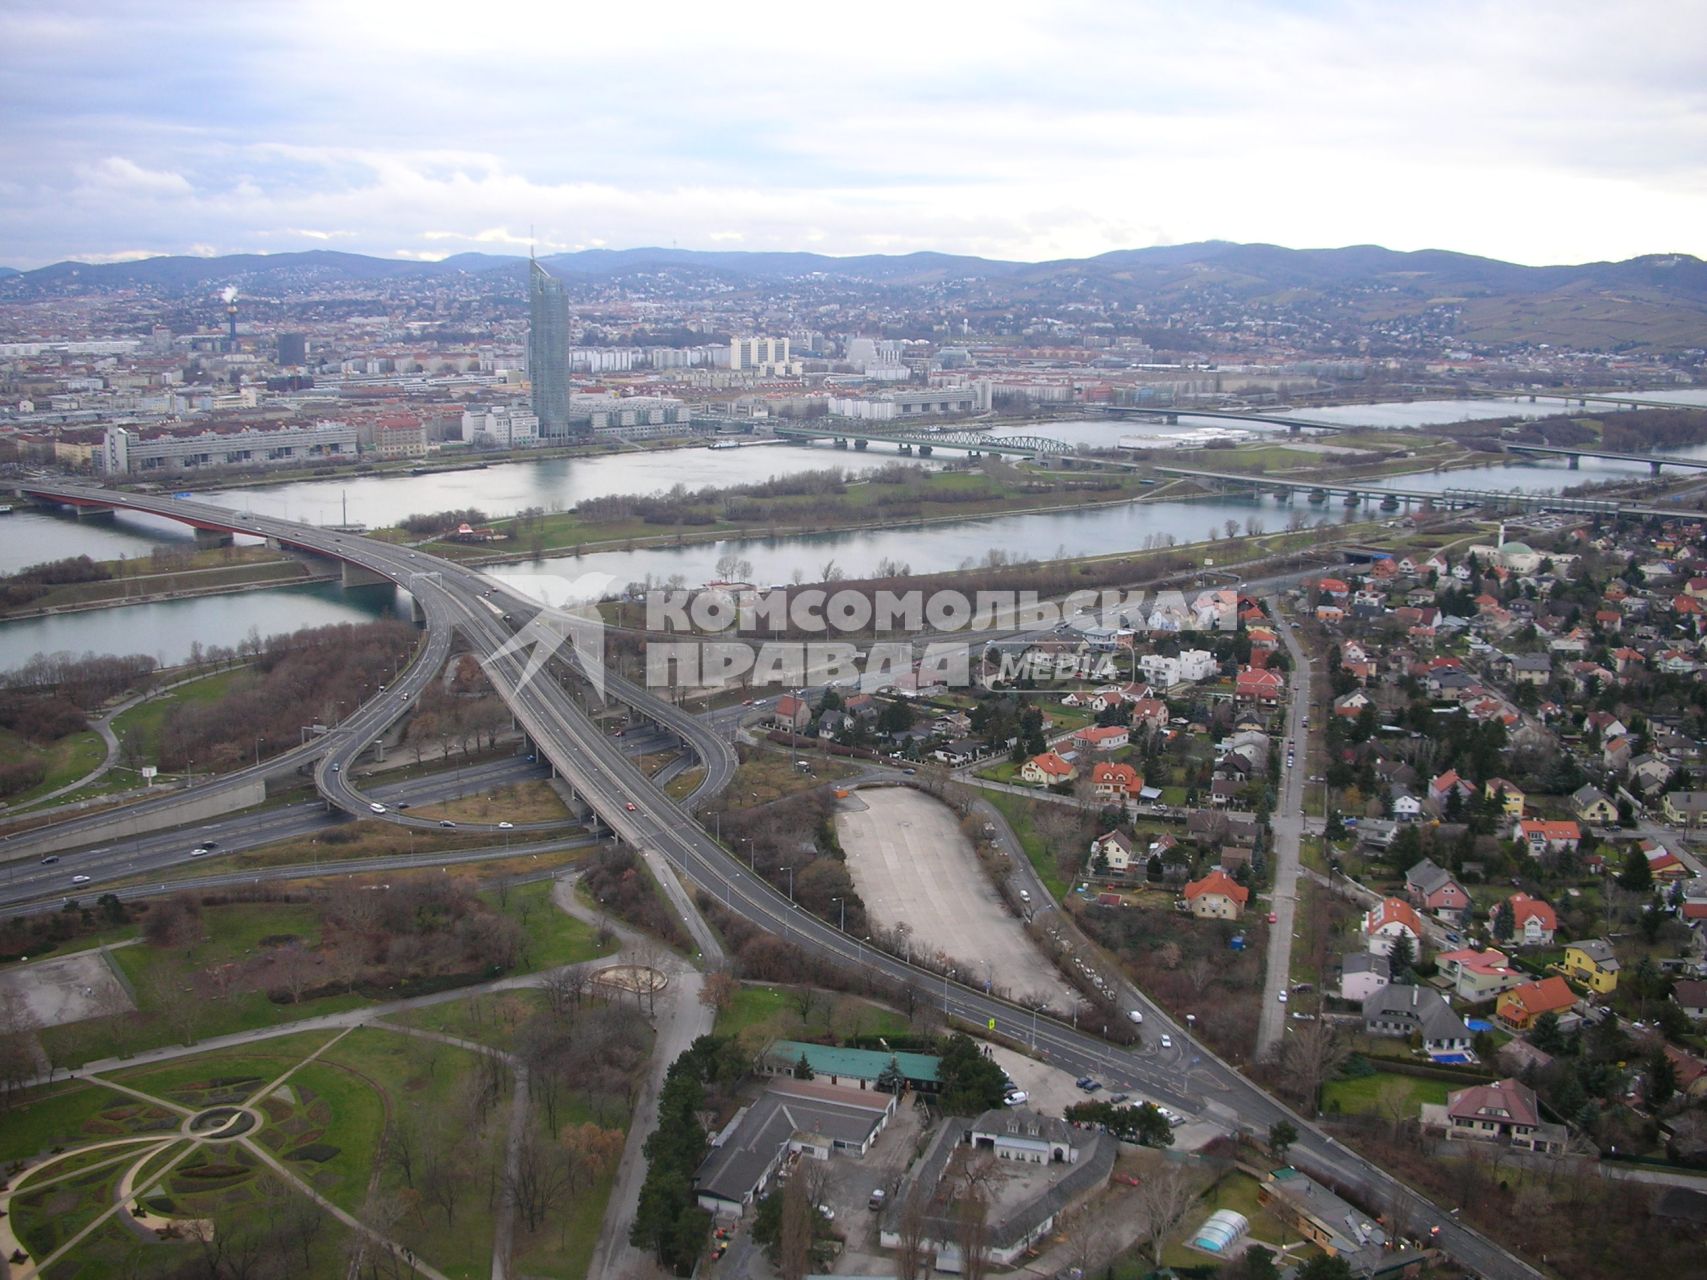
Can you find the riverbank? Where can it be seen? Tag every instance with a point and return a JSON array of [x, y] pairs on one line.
[[263, 575]]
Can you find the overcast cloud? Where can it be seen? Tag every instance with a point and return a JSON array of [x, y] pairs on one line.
[[1533, 132]]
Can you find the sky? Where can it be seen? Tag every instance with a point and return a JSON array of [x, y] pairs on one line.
[[1535, 132]]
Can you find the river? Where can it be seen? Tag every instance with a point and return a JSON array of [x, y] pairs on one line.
[[167, 629]]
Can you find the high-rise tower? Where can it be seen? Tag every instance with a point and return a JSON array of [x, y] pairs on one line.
[[548, 350]]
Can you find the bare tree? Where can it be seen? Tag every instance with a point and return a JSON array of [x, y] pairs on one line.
[[1161, 1204], [536, 1180], [912, 1224], [972, 1220], [1310, 1056], [794, 1245]]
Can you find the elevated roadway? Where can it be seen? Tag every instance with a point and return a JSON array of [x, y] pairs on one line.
[[638, 811], [927, 442], [1654, 461], [1452, 498]]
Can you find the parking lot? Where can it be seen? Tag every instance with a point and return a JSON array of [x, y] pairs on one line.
[[913, 866]]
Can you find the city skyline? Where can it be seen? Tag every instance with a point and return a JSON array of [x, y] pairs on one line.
[[1556, 134]]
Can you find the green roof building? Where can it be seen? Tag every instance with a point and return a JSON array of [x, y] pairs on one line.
[[854, 1068]]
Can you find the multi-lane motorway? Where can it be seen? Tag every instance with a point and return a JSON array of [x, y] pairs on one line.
[[639, 812]]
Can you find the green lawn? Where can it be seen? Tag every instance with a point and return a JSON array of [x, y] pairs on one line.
[[53, 1116], [1017, 810], [186, 1080], [553, 937], [778, 1008], [486, 1019], [357, 1104], [139, 728], [66, 760], [1383, 1092]]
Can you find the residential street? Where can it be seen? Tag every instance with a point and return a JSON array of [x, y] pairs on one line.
[[1287, 824]]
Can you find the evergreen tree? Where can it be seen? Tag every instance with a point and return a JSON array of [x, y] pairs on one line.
[[1636, 876], [1505, 921], [1402, 959], [892, 1079], [803, 1068]]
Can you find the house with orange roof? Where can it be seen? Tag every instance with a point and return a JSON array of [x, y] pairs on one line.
[[1478, 975], [1544, 836], [1047, 770], [1102, 738], [1120, 782], [1385, 922], [1533, 922], [1521, 1006], [1258, 684], [1217, 897]]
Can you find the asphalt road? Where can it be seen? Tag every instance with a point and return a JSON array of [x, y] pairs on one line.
[[1287, 824], [642, 815], [28, 884]]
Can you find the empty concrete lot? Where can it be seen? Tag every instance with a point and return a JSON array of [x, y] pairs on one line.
[[51, 993], [913, 866]]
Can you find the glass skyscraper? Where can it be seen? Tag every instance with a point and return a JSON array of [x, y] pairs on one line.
[[548, 351]]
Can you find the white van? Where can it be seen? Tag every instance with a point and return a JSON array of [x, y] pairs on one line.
[[1136, 1016], [1025, 895]]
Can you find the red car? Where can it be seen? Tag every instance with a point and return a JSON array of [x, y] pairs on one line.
[[632, 807], [1274, 917]]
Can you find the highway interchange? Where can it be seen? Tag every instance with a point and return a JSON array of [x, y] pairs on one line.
[[1189, 1077]]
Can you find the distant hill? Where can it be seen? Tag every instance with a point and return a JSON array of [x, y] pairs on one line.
[[1657, 301], [9, 271]]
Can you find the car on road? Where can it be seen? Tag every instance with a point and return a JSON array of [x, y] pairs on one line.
[[446, 822], [506, 826], [79, 879], [336, 767], [402, 804], [1084, 1081], [200, 851], [1167, 1042], [1135, 1016], [632, 807], [376, 807], [877, 1199], [1016, 1098], [1274, 917], [50, 860], [1118, 1098], [1282, 996], [1093, 1086]]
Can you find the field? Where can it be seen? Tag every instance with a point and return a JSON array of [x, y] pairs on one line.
[[1383, 1094], [532, 801], [1019, 811], [776, 1012], [203, 988]]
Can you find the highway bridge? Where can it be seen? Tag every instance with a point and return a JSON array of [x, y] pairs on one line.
[[1186, 1074], [1355, 493], [1586, 398], [1654, 461], [925, 442], [1291, 422]]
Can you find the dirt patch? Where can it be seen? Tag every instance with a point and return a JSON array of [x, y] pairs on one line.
[[52, 993], [912, 866]]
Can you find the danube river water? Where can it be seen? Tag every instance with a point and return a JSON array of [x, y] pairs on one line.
[[167, 629]]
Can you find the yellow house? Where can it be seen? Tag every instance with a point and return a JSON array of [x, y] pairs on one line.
[[1514, 797], [1593, 963]]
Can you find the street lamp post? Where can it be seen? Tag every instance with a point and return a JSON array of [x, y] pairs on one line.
[[946, 975], [844, 904], [790, 871]]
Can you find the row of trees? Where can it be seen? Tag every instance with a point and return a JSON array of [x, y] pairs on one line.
[[316, 675], [668, 1221]]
